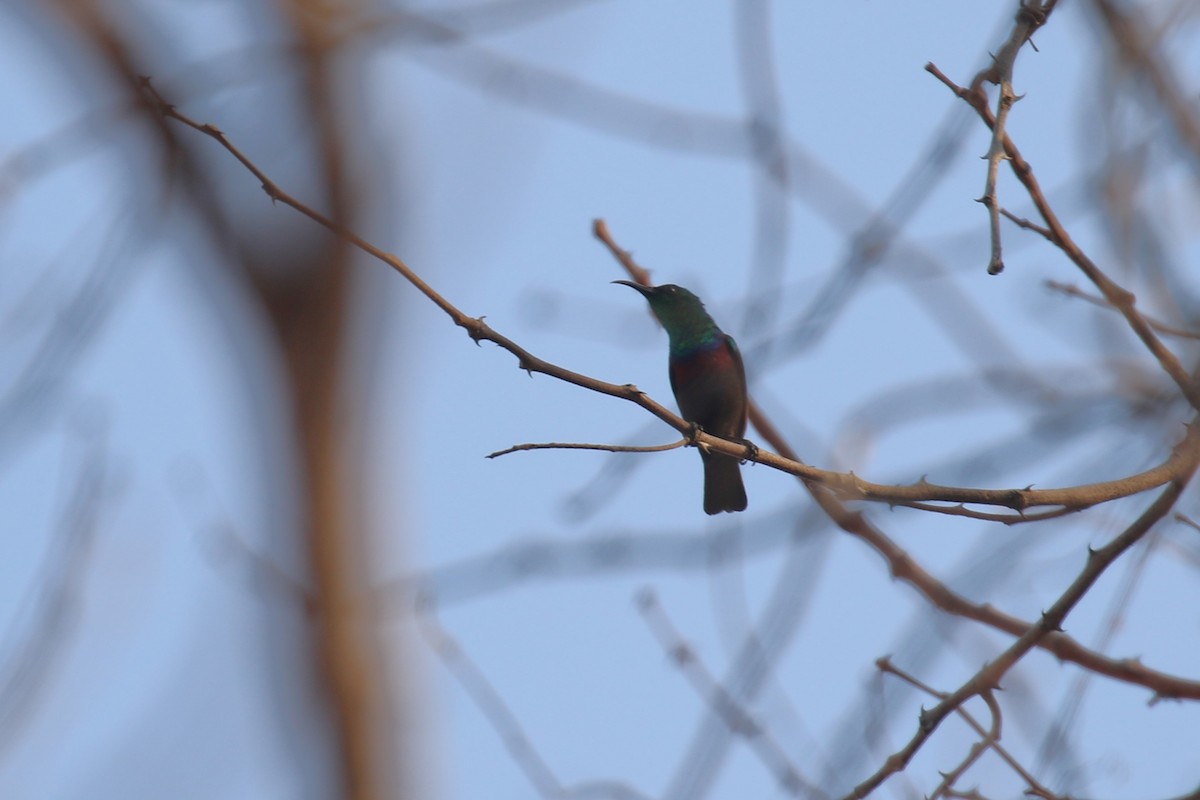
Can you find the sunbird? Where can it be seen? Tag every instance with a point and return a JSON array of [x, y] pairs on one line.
[[709, 382]]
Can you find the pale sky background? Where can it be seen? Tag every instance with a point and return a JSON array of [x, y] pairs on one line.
[[169, 656]]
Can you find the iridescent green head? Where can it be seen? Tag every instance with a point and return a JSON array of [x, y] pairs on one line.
[[681, 313]]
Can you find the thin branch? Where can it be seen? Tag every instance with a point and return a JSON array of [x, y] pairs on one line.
[[976, 751], [610, 448], [1139, 51], [224, 544], [1005, 519], [1035, 787], [639, 273], [28, 658], [1029, 18], [994, 155], [1028, 225], [1186, 520], [1071, 290]]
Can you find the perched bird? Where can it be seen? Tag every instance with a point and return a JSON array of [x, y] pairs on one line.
[[709, 382]]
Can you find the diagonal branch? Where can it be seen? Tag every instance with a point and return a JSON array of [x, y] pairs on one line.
[[1117, 296], [846, 486], [988, 678]]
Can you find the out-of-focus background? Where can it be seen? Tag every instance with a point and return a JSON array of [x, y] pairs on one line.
[[251, 545]]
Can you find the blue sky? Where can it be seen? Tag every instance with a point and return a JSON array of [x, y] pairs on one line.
[[485, 175]]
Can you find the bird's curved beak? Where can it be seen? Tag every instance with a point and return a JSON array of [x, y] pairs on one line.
[[645, 290]]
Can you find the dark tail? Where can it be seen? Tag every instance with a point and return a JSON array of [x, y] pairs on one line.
[[723, 489]]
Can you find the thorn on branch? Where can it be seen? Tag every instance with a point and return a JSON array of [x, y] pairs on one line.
[[1050, 625], [925, 721], [475, 329]]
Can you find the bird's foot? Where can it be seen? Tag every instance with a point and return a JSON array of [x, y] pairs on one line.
[[693, 436], [752, 450]]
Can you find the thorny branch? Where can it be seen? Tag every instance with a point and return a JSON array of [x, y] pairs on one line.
[[1030, 17], [988, 678], [843, 486], [1036, 789], [1115, 295]]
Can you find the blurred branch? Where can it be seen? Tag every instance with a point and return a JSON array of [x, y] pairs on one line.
[[519, 563], [753, 40], [27, 661], [988, 678], [505, 723], [740, 721], [222, 542], [1071, 290], [1139, 50]]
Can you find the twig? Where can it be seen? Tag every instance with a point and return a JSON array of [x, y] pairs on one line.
[[885, 665], [1030, 17], [1186, 520], [1005, 519], [1074, 291], [994, 154], [611, 448], [639, 273], [222, 541], [1055, 738], [28, 659], [1028, 225], [989, 740]]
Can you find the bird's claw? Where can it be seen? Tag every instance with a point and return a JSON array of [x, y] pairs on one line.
[[752, 450]]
